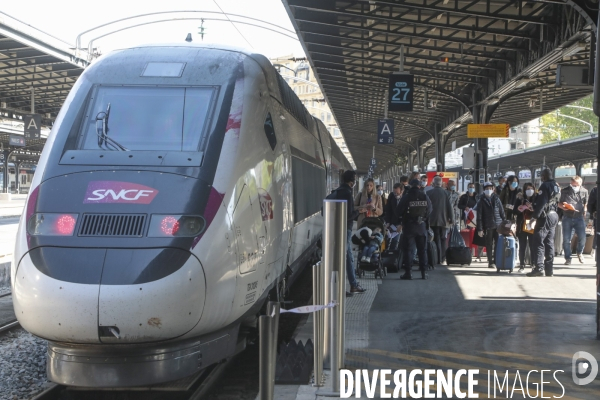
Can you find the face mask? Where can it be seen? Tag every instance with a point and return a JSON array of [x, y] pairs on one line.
[[575, 188], [488, 192], [529, 192], [380, 192], [514, 185], [398, 196], [453, 188], [502, 185], [471, 190], [423, 183]]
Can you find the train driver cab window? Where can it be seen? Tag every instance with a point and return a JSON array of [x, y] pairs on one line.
[[129, 118], [270, 131]]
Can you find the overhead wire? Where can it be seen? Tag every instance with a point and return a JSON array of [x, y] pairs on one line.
[[236, 28]]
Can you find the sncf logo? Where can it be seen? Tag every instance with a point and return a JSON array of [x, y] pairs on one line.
[[119, 192]]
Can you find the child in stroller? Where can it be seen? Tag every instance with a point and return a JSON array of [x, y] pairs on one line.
[[369, 238]]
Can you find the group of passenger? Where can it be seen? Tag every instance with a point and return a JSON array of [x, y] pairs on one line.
[[418, 211]]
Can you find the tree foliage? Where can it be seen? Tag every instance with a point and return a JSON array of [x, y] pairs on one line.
[[557, 123]]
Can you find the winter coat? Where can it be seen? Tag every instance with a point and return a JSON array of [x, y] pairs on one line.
[[578, 200], [508, 198], [391, 212], [466, 201], [454, 197], [490, 212], [442, 208], [362, 200]]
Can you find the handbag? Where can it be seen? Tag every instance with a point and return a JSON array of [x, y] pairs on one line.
[[505, 228], [526, 224]]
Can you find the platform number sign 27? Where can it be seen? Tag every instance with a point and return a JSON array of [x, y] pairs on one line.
[[385, 131], [400, 93]]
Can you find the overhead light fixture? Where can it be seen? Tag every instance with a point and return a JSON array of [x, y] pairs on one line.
[[493, 100], [573, 49], [522, 82]]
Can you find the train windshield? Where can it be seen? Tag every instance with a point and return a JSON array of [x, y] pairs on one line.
[[147, 118]]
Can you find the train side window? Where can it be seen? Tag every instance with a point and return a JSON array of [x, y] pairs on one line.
[[270, 131]]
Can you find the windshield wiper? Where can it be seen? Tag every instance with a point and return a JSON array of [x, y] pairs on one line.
[[102, 132]]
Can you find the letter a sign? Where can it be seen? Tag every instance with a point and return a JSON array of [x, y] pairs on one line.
[[385, 131], [33, 126]]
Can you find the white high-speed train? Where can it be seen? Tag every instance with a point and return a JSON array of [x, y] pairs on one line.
[[180, 185]]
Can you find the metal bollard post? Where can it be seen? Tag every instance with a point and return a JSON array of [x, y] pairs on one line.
[[317, 326], [334, 264], [266, 380], [268, 332]]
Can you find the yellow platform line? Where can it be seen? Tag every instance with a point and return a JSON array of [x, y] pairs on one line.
[[490, 361], [507, 354]]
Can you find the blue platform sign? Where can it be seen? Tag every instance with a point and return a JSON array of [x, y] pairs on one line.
[[400, 93], [373, 162], [385, 131]]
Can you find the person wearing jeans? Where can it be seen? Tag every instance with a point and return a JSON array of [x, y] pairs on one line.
[[573, 206]]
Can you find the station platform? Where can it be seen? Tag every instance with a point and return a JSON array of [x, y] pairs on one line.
[[472, 318]]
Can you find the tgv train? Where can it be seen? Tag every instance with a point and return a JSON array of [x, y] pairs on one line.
[[179, 186]]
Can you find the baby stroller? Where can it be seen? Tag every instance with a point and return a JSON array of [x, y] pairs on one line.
[[376, 264]]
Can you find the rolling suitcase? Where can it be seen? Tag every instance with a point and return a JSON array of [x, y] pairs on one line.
[[391, 260], [558, 240], [432, 255], [507, 250], [458, 256]]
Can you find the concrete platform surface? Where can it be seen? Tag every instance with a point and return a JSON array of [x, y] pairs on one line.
[[7, 313], [475, 318], [13, 207]]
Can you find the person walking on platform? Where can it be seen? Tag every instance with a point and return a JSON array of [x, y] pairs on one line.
[[368, 202], [383, 196], [524, 210], [573, 206], [454, 197], [593, 210], [441, 217], [404, 182], [544, 221], [466, 202], [344, 192], [508, 196], [415, 208], [490, 214], [501, 185], [392, 215]]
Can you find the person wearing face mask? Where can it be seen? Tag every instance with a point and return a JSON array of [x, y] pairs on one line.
[[383, 196], [523, 211], [392, 215], [501, 185], [543, 221], [454, 197], [441, 217], [466, 202], [573, 206], [490, 214], [508, 196]]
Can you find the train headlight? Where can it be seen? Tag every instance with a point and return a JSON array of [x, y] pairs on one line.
[[175, 225], [52, 224]]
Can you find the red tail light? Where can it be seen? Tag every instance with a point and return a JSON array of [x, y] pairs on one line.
[[51, 224], [65, 225], [169, 225], [175, 225]]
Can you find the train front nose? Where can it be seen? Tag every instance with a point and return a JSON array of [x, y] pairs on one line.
[[109, 295]]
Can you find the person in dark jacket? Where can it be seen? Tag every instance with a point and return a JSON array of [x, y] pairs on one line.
[[572, 207], [344, 192], [415, 208], [404, 182], [508, 196], [490, 214], [441, 217], [524, 210], [391, 213], [501, 185], [467, 201], [593, 210], [545, 220]]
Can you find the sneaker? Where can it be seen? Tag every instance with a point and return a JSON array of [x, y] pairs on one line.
[[567, 262], [368, 259], [406, 277], [535, 273], [521, 269], [580, 256], [363, 259], [357, 289]]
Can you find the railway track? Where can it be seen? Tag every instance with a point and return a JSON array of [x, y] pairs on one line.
[[10, 325]]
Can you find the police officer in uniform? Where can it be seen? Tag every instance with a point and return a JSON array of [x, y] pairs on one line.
[[546, 219], [415, 209]]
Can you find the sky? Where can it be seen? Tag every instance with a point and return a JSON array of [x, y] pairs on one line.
[[66, 19]]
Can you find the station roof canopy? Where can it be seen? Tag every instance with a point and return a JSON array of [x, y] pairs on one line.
[[484, 61], [30, 58]]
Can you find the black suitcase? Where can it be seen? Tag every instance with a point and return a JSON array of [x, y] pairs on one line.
[[391, 260], [458, 256]]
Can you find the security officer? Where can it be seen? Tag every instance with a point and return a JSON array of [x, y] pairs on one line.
[[415, 208], [546, 219]]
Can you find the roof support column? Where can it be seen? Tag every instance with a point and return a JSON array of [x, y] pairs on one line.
[[578, 168], [440, 145], [532, 175], [420, 156], [5, 172]]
